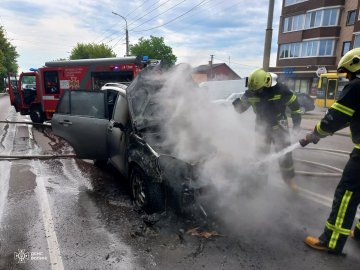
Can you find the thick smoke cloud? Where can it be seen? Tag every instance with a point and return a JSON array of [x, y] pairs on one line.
[[221, 141]]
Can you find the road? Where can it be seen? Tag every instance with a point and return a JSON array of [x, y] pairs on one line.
[[65, 213]]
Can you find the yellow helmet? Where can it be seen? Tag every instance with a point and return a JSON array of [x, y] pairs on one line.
[[258, 79], [350, 61]]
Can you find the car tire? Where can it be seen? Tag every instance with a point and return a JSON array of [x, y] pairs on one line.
[[100, 163], [36, 114], [147, 195]]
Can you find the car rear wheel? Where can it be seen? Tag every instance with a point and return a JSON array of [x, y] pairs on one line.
[[36, 114], [146, 194]]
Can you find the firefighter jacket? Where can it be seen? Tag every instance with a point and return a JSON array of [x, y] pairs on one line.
[[343, 113], [270, 105]]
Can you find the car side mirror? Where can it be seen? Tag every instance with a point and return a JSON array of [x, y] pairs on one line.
[[120, 126]]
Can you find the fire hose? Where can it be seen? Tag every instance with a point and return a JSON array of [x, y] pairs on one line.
[[337, 171], [15, 157]]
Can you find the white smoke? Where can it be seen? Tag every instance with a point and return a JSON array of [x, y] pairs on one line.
[[214, 135]]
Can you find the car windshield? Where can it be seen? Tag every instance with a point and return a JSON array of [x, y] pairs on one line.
[[143, 101], [149, 93]]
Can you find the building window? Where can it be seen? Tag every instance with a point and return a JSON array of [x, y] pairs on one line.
[[324, 17], [312, 48], [351, 17], [293, 2], [294, 23], [357, 41], [346, 47]]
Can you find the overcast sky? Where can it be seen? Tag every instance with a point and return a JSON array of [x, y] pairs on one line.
[[231, 30]]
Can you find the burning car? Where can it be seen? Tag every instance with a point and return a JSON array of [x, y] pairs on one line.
[[128, 133]]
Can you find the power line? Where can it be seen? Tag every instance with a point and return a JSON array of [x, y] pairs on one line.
[[194, 7], [136, 8], [232, 62], [150, 11], [158, 14]]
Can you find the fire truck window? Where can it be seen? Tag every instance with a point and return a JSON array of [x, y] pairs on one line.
[[51, 82], [88, 104]]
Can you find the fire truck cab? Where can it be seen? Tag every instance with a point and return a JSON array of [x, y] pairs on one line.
[[36, 93]]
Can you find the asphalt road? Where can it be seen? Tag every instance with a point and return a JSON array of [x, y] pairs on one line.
[[69, 214]]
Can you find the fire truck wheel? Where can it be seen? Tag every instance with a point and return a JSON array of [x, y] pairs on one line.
[[36, 114]]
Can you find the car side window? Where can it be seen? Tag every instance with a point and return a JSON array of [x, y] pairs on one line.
[[83, 103], [121, 111], [88, 103]]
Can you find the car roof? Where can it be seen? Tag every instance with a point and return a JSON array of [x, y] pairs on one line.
[[115, 87]]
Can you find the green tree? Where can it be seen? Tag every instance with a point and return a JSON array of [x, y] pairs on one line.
[[8, 57], [91, 50], [155, 48]]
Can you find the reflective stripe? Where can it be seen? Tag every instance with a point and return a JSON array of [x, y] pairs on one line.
[[296, 111], [320, 131], [357, 146], [50, 98], [341, 108], [337, 229], [276, 97], [291, 100], [358, 225], [287, 169]]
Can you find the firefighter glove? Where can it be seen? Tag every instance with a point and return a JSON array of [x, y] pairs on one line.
[[310, 137], [236, 102]]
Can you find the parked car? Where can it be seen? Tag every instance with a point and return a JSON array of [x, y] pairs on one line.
[[306, 102], [128, 133]]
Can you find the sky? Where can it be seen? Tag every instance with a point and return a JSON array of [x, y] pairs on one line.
[[233, 31]]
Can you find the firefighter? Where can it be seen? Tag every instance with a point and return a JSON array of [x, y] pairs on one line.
[[269, 100], [344, 112]]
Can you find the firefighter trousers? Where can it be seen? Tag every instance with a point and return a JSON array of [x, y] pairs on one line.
[[345, 203], [280, 138]]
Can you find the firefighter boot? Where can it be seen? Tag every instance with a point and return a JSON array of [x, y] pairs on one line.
[[316, 243], [355, 234], [292, 184]]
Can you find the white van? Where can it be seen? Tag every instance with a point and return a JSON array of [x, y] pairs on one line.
[[221, 90]]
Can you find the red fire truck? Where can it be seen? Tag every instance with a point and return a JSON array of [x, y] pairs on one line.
[[36, 93]]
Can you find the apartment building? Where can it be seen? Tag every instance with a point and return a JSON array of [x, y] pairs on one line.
[[313, 36]]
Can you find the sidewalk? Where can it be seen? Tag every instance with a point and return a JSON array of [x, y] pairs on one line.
[[310, 119]]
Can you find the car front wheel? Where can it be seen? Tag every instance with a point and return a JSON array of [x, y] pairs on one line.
[[146, 194]]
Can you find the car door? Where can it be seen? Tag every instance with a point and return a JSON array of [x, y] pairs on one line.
[[117, 140], [81, 118]]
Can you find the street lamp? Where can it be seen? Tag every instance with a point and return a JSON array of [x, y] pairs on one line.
[[126, 32]]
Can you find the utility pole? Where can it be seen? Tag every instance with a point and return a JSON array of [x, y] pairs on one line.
[[126, 32], [268, 36], [211, 66]]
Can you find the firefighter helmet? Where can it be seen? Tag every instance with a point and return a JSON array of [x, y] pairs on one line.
[[350, 61], [258, 79]]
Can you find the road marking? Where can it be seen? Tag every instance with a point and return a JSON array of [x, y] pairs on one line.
[[315, 197], [30, 132], [53, 245]]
